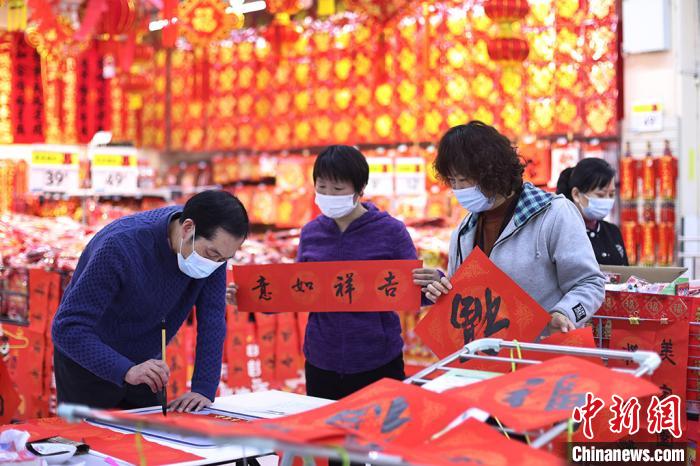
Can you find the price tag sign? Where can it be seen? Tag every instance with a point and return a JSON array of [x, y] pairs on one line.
[[410, 176], [381, 176], [54, 171], [114, 173], [647, 117]]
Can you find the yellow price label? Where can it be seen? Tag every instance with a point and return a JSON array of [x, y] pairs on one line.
[[381, 168], [105, 160], [54, 158], [646, 108], [410, 168]]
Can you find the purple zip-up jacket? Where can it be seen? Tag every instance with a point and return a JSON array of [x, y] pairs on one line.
[[353, 342]]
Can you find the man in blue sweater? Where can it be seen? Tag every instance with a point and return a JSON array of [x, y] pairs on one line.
[[136, 273]]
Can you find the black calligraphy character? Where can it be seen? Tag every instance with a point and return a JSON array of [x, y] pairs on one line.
[[262, 286], [666, 391], [563, 396], [352, 418], [667, 351], [393, 419], [631, 347], [466, 312], [301, 287], [389, 288], [287, 362], [516, 398], [345, 287], [492, 307]]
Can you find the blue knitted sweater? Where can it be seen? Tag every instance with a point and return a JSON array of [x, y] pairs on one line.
[[126, 282]]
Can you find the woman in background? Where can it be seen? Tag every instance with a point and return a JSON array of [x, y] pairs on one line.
[[590, 185]]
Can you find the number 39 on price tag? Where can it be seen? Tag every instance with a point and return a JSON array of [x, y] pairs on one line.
[[54, 171]]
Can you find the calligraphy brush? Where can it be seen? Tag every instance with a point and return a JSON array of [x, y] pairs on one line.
[[164, 394]]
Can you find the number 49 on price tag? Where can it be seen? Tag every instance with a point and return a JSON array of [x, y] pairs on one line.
[[114, 173]]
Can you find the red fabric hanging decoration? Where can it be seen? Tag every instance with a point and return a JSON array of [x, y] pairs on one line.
[[266, 330], [288, 357], [27, 102], [91, 18], [169, 32], [93, 96]]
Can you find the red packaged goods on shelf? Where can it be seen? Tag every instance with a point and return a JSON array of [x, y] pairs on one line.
[[667, 238], [648, 237], [629, 168], [668, 212], [649, 211], [630, 236], [668, 173], [649, 176]]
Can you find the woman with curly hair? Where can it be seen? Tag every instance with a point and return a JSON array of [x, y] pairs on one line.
[[535, 237]]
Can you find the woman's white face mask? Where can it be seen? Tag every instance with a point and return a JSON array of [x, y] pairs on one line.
[[473, 200], [598, 207], [336, 206]]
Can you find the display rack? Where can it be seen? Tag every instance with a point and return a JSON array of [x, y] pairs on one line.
[[647, 362]]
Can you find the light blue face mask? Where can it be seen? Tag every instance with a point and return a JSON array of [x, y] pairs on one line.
[[598, 207], [473, 199], [196, 266]]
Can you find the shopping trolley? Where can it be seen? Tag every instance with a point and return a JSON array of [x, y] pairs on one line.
[[488, 349]]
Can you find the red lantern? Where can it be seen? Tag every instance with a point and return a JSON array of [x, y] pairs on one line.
[[119, 18], [508, 49], [506, 46], [508, 11]]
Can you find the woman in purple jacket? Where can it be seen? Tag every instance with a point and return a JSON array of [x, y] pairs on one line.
[[346, 351]]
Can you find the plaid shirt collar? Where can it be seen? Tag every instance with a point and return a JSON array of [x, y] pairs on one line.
[[531, 201]]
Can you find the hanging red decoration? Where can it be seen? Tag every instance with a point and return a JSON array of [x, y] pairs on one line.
[[27, 101], [379, 12], [288, 7], [281, 31], [93, 96], [508, 49], [506, 45], [55, 39], [206, 21], [119, 18], [506, 10]]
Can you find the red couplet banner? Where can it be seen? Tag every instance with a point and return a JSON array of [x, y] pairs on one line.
[[354, 286]]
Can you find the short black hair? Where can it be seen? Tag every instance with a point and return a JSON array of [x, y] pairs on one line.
[[588, 175], [481, 154], [211, 210], [342, 163]]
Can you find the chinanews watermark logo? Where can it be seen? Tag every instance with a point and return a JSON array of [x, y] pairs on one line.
[[662, 416]]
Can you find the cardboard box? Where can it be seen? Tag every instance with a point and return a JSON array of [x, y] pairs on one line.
[[650, 274]]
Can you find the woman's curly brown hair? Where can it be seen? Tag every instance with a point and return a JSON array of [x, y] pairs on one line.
[[481, 154]]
